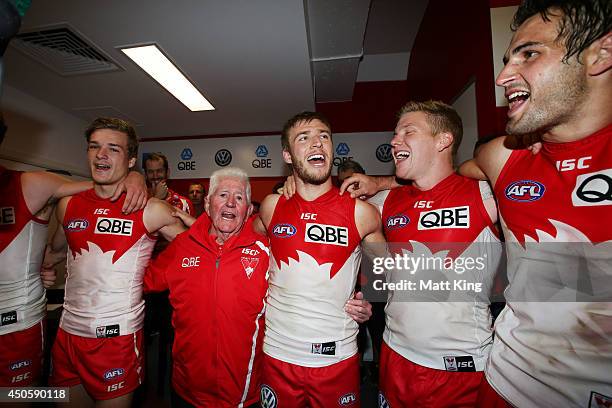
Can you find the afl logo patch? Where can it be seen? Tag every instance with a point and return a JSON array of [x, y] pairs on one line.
[[525, 191], [397, 221], [113, 373], [284, 230], [77, 225], [347, 400]]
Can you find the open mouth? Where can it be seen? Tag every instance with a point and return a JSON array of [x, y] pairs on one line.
[[316, 159], [401, 155], [228, 215], [102, 167], [516, 99]]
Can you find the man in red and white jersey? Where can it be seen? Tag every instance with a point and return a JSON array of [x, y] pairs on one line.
[[157, 172], [217, 274], [26, 202], [310, 343], [435, 351], [98, 351], [558, 82]]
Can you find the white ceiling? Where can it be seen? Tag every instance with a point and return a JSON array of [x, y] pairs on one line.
[[257, 61]]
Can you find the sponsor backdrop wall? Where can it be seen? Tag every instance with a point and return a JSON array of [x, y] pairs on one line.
[[260, 156]]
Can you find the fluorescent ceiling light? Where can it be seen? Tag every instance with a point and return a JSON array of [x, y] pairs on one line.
[[156, 64]]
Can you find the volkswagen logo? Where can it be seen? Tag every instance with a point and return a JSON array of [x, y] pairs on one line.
[[268, 397], [223, 157], [382, 401], [384, 153]]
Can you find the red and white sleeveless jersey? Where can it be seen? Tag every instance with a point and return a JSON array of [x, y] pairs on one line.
[[108, 252], [316, 257], [451, 221], [22, 246], [555, 353]]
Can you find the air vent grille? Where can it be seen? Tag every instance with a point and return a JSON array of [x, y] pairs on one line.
[[64, 50]]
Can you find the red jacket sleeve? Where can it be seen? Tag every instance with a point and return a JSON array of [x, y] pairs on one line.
[[155, 274]]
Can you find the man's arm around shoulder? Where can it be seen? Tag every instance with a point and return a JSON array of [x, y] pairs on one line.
[[158, 218]]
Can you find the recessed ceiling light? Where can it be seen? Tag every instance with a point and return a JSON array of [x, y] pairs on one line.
[[160, 68]]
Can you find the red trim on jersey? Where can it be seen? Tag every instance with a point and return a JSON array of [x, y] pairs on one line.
[[12, 196], [83, 206], [525, 212], [453, 191], [330, 209]]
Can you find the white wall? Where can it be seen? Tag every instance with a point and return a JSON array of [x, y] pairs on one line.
[[465, 105], [41, 135]]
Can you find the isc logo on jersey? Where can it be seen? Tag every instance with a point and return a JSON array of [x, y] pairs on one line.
[[114, 226], [453, 217], [397, 221], [326, 234], [525, 191], [107, 331], [284, 230], [77, 225], [113, 373], [459, 363]]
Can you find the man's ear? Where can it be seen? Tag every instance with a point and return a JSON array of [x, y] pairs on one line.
[[250, 210], [132, 163], [287, 157], [207, 205], [598, 57], [445, 141]]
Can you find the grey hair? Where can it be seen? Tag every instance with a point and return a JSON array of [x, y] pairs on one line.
[[229, 172]]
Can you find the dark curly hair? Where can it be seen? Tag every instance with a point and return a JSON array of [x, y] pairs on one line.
[[582, 21]]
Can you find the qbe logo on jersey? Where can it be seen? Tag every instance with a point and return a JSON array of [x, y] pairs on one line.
[[114, 226], [326, 234], [453, 217], [593, 189]]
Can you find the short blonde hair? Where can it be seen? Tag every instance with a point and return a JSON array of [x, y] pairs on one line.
[[440, 117]]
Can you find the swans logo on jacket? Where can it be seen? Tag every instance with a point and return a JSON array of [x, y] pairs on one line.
[[249, 265]]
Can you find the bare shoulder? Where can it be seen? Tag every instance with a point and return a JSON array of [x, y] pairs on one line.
[[155, 206], [60, 210], [491, 157], [266, 210], [39, 187], [367, 217]]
